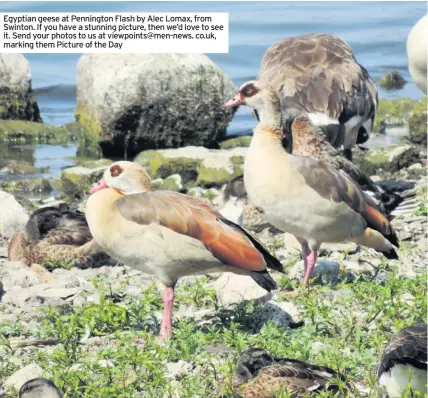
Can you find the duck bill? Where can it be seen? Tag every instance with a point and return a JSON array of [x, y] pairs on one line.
[[234, 102], [101, 184]]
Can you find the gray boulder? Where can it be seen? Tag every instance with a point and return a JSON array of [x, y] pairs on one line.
[[13, 217], [16, 99], [132, 102]]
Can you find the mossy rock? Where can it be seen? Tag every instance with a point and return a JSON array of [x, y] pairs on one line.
[[418, 128], [18, 105], [77, 181], [392, 81], [241, 141], [160, 166], [391, 159], [36, 185], [396, 112], [23, 132], [171, 183], [209, 177], [93, 163], [24, 167], [89, 130]]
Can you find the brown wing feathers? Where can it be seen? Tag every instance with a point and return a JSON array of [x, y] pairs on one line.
[[338, 186], [188, 216]]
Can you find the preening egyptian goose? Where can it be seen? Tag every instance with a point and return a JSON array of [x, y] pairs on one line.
[[57, 233], [417, 43], [168, 234], [303, 196], [258, 375], [404, 362], [318, 75], [39, 388]]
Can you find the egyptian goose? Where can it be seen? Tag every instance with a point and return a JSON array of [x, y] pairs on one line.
[[39, 388], [318, 75], [303, 196], [258, 375], [168, 234], [404, 362], [417, 43], [57, 233]]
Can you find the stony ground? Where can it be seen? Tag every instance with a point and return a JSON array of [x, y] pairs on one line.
[[78, 326]]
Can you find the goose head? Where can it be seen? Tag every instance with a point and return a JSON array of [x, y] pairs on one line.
[[39, 388], [262, 99], [125, 177]]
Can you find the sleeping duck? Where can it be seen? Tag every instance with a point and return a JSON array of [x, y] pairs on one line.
[[258, 375], [57, 233]]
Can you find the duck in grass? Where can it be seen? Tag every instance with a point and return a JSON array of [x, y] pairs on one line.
[[259, 375], [39, 388], [57, 234]]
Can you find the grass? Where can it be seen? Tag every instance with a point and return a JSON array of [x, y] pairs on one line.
[[350, 323]]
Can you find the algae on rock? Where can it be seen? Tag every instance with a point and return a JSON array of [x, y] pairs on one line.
[[23, 132]]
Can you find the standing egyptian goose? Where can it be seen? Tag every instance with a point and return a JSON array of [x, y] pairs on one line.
[[417, 43], [304, 196], [168, 234], [318, 75], [258, 375], [56, 233], [404, 362], [39, 388]]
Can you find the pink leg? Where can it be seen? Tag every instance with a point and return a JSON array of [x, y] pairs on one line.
[[311, 261], [305, 253], [168, 301]]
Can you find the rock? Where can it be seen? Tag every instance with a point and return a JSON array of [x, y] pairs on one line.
[[418, 128], [13, 217], [392, 81], [282, 314], [23, 375], [391, 159], [396, 112], [416, 166], [34, 185], [16, 98], [235, 142], [131, 102], [77, 181], [196, 165], [177, 370], [233, 289], [325, 272], [171, 183], [23, 132], [23, 167], [254, 220]]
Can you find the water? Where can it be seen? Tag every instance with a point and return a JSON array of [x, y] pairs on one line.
[[377, 31]]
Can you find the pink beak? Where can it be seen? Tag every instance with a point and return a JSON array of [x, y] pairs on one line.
[[101, 184], [234, 102]]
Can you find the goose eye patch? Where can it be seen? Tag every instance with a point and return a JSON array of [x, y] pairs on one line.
[[115, 170]]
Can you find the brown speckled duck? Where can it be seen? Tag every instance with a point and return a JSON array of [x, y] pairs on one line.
[[258, 375], [56, 233]]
